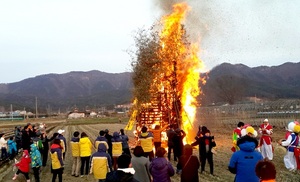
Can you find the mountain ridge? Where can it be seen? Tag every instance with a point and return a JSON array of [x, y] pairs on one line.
[[95, 89]]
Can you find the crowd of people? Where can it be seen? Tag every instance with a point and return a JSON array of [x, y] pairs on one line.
[[32, 141], [113, 160], [253, 151]]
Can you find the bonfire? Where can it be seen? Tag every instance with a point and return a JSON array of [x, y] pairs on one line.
[[166, 75]]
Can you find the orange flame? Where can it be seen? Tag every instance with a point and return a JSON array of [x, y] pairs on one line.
[[181, 58], [178, 74]]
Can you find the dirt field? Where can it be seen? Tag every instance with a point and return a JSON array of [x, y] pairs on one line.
[[221, 159]]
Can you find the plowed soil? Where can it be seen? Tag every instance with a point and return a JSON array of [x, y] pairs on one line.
[[221, 159]]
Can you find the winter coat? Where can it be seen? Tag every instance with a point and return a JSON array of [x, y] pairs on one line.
[[35, 155], [188, 164], [170, 134], [125, 140], [243, 162], [120, 176], [109, 137], [146, 140], [24, 164], [202, 145], [85, 146], [56, 157], [46, 141], [11, 146], [3, 143], [101, 139], [75, 148], [141, 167], [116, 145], [63, 142], [101, 162], [18, 134], [26, 139], [161, 170]]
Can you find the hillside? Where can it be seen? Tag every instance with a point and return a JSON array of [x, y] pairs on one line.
[[226, 83], [231, 83], [63, 91]]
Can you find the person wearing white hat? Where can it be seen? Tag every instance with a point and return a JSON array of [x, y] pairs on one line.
[[266, 148], [63, 142]]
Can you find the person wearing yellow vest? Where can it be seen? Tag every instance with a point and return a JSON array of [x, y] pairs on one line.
[[146, 141], [75, 154], [57, 164], [117, 149], [63, 142], [101, 139], [101, 163], [85, 146]]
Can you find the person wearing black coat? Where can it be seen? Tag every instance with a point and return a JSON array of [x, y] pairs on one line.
[[27, 134], [206, 143], [45, 141], [109, 137], [124, 172]]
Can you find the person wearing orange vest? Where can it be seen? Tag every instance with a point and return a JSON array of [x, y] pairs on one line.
[[157, 135]]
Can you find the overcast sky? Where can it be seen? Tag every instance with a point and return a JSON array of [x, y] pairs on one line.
[[58, 36]]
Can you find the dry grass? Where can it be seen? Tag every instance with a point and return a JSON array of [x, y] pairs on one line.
[[219, 129]]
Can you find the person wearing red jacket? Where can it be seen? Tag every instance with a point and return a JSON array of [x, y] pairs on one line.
[[23, 166]]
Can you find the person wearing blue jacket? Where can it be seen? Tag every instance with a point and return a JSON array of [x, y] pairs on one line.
[[101, 163], [36, 161], [243, 162], [12, 148]]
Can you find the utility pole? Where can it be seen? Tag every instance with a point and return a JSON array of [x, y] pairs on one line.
[[36, 110], [11, 112]]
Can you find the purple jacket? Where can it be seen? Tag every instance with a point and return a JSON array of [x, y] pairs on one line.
[[161, 170]]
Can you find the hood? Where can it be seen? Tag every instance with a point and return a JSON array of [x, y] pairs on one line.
[[247, 143], [159, 163], [116, 135], [101, 147], [144, 134], [54, 146], [25, 153], [84, 140], [33, 147]]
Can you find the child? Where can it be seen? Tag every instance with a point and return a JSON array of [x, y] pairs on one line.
[[23, 166], [36, 161], [3, 146], [12, 148]]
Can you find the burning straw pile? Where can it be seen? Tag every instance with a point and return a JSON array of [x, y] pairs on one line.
[[166, 72]]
